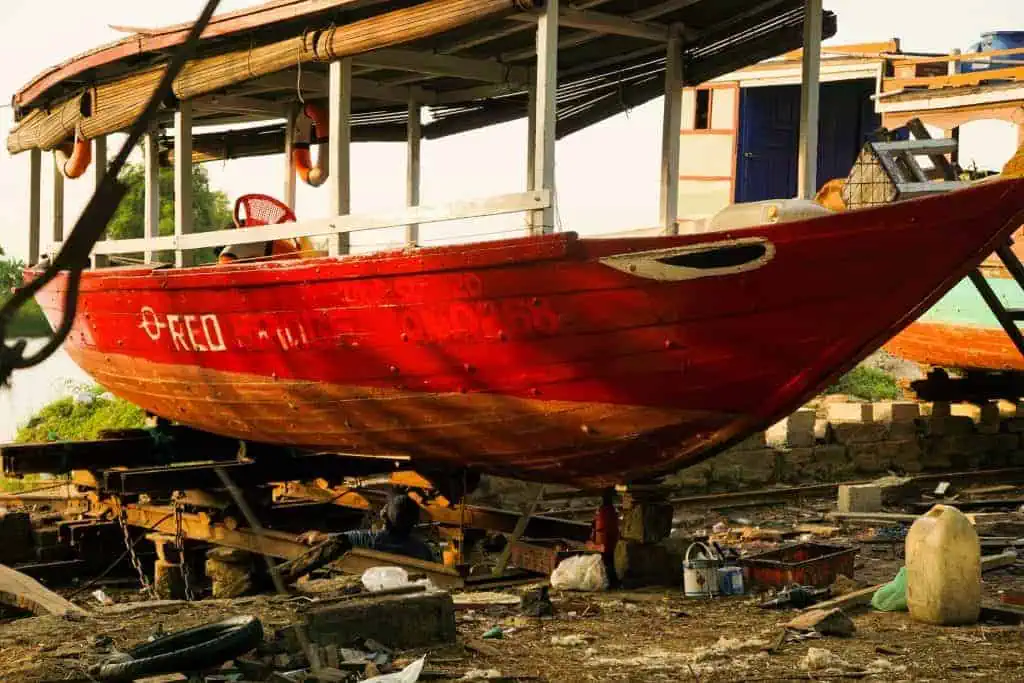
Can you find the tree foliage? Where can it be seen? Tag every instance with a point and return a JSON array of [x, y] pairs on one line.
[[210, 208]]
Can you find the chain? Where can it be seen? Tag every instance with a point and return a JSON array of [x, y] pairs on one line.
[[122, 520], [179, 540]]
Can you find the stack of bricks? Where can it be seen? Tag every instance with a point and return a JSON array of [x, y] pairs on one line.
[[846, 440]]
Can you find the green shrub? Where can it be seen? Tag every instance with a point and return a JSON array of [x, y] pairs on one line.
[[68, 420], [29, 321], [868, 383]]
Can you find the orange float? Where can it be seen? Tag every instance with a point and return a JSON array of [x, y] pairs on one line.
[[302, 159], [74, 156]]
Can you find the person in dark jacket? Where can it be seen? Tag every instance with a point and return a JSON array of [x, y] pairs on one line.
[[400, 516]]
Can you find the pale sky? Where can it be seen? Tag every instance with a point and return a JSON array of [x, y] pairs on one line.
[[607, 175]]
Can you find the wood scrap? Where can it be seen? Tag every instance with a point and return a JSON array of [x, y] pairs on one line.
[[26, 593]]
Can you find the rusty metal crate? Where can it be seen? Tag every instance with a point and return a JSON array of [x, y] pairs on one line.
[[806, 564]]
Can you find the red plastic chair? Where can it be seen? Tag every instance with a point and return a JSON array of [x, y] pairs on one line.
[[261, 209]]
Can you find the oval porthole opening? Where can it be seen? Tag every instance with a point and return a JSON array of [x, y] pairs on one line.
[[724, 256]]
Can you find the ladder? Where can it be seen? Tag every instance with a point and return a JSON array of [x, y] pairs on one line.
[[910, 180]]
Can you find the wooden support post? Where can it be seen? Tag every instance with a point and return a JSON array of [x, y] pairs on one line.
[[183, 224], [517, 533], [412, 171], [670, 131], [151, 195], [544, 135], [340, 140], [58, 201], [289, 169], [807, 184], [99, 169], [35, 200]]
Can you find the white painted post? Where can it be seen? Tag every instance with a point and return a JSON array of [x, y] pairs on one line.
[[340, 140], [544, 137], [671, 122], [99, 169], [289, 147], [151, 194], [412, 171], [35, 200], [809, 96], [58, 201], [531, 148], [183, 224], [953, 68]]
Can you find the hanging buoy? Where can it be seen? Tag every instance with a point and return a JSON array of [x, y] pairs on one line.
[[74, 156], [302, 160]]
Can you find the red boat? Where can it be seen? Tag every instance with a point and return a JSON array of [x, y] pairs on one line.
[[546, 357], [552, 358]]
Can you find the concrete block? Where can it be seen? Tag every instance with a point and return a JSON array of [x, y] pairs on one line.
[[852, 432], [646, 564], [397, 621], [834, 459], [1014, 425], [895, 411], [793, 464], [800, 429], [230, 571], [820, 429], [965, 410], [848, 412], [870, 458], [989, 419], [647, 522], [776, 434], [940, 409], [168, 582], [860, 498], [744, 467], [953, 425]]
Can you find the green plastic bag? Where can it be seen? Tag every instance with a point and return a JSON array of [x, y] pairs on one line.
[[892, 597]]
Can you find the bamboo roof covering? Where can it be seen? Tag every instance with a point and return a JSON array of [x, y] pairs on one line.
[[468, 61]]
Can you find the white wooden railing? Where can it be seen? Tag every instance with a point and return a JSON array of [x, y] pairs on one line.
[[474, 208]]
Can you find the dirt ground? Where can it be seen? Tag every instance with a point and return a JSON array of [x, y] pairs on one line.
[[644, 635]]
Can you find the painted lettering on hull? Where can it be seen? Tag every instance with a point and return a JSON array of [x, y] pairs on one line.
[[195, 332]]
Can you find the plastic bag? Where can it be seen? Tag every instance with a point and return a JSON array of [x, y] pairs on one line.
[[409, 674], [388, 578], [892, 597], [580, 573]]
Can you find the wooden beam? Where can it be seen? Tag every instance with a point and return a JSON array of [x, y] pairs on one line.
[[58, 201], [24, 592], [35, 200], [582, 38], [610, 24], [340, 143], [810, 91], [99, 169], [671, 123], [183, 222], [545, 110], [429, 63], [151, 189], [289, 147], [239, 104], [317, 85], [412, 171]]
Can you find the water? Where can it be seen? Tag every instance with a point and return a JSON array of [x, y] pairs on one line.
[[33, 388]]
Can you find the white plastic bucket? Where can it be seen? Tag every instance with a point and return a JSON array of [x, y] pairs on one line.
[[700, 575]]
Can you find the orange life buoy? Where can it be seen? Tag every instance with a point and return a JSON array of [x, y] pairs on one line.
[[302, 160], [74, 157]]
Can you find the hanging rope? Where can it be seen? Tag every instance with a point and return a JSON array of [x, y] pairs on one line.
[[74, 254]]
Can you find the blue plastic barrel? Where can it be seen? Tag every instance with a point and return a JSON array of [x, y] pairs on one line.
[[997, 40]]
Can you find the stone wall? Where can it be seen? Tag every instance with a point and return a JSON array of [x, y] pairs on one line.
[[837, 441]]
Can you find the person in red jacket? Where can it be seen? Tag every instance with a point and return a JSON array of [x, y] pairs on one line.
[[604, 534]]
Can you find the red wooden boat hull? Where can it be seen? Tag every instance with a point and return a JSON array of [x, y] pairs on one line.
[[545, 358]]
